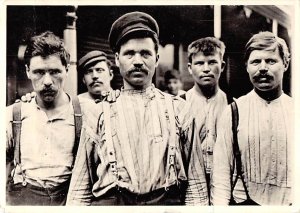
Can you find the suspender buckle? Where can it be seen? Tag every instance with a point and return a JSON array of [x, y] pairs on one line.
[[113, 167], [171, 159]]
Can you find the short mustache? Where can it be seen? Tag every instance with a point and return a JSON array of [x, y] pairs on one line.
[[95, 82], [138, 70]]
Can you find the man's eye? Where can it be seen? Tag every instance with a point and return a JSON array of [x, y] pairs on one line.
[[39, 72], [98, 70], [54, 72], [212, 62], [199, 63], [271, 61], [255, 62]]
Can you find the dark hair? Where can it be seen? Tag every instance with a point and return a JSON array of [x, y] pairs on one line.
[[267, 41], [44, 45], [171, 74], [207, 45], [138, 34]]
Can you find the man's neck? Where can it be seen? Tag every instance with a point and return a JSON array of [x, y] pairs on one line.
[[128, 86], [208, 91], [269, 95]]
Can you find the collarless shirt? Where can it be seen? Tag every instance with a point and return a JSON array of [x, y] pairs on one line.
[[46, 144], [140, 135], [206, 111], [264, 137]]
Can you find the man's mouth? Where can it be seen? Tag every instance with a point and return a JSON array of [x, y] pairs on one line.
[[206, 76], [96, 84]]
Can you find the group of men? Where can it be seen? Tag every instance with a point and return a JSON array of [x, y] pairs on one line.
[[143, 146]]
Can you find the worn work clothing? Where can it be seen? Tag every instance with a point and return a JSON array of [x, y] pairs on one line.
[[207, 112], [46, 144], [46, 150], [264, 137], [141, 129], [34, 195]]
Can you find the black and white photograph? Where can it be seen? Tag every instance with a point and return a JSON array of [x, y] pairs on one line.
[[181, 107]]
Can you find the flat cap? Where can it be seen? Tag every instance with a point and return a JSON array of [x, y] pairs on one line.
[[129, 23], [91, 57]]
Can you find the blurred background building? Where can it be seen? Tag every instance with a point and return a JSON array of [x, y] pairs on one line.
[[86, 28]]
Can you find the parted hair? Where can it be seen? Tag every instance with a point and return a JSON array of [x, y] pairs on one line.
[[267, 41], [44, 45]]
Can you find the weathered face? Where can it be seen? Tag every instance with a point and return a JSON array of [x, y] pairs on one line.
[[206, 69], [265, 69], [48, 76], [173, 86], [137, 60], [97, 78]]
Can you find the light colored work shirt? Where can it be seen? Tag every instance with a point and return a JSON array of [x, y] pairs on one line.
[[264, 137], [140, 127], [46, 144], [207, 112]]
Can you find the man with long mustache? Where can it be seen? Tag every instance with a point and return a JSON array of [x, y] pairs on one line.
[[263, 131], [97, 75], [140, 153]]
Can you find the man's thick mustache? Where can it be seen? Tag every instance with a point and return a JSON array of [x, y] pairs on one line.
[[95, 82], [138, 70], [269, 77], [48, 90]]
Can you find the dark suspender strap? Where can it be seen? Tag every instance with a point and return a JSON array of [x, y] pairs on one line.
[[78, 124], [16, 127], [236, 149], [229, 98], [189, 154]]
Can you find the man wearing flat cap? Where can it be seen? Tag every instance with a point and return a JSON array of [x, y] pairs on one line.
[[142, 152], [95, 69]]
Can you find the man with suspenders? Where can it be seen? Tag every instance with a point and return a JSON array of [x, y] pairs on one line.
[[254, 139], [140, 152], [43, 135]]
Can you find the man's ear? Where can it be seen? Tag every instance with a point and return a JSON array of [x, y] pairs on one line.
[[83, 80], [190, 68], [111, 73], [117, 59], [27, 71], [286, 65], [223, 66]]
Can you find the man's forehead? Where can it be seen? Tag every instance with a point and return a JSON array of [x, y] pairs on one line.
[[139, 43], [100, 64], [45, 61], [207, 55], [265, 53]]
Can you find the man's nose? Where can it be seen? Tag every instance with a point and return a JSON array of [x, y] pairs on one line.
[[95, 74], [263, 67], [47, 79], [137, 61], [206, 67]]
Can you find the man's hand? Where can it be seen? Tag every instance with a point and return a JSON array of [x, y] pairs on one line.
[[27, 97], [112, 95]]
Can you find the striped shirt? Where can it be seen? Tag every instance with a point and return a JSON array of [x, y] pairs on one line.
[[207, 111], [141, 130], [264, 136]]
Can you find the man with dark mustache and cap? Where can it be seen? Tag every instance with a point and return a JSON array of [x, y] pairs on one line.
[[95, 69], [255, 133], [142, 152]]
